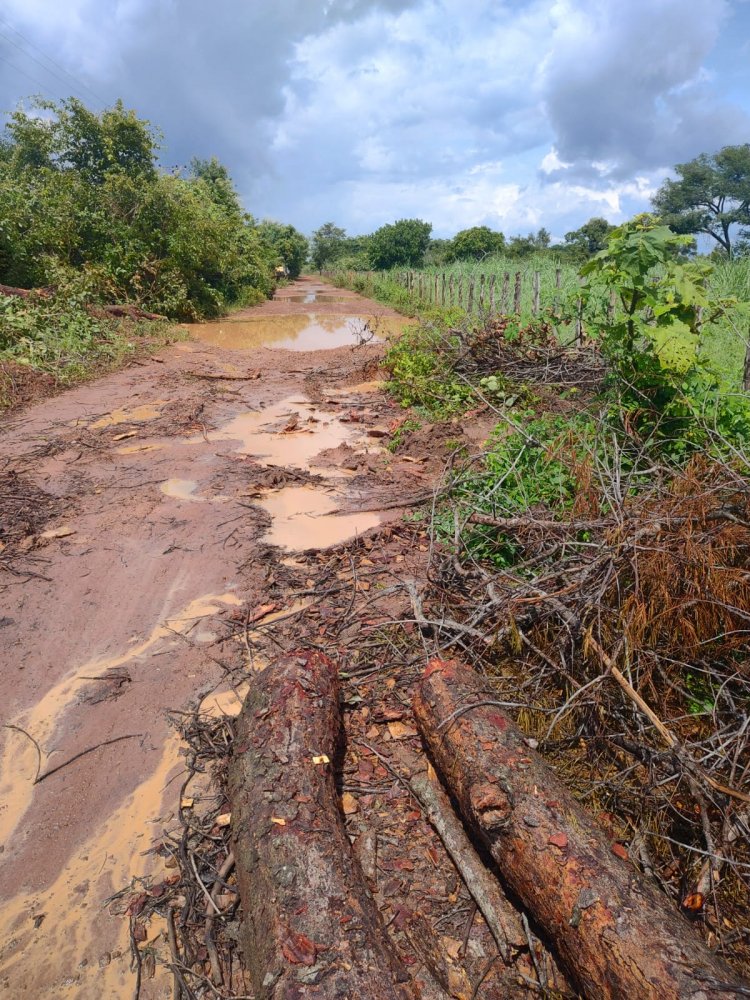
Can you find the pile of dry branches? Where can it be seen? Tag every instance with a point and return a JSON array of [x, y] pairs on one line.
[[622, 640], [536, 356]]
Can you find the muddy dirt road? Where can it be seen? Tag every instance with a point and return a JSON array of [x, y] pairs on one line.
[[161, 500]]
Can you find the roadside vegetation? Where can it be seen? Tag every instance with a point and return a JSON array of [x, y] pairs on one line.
[[88, 219], [593, 558]]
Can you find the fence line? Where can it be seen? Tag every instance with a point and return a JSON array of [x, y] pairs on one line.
[[477, 295]]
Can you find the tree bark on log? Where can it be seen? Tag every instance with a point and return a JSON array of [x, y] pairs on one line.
[[310, 927], [120, 311], [125, 312], [616, 935]]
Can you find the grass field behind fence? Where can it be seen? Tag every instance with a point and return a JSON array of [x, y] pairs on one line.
[[416, 292]]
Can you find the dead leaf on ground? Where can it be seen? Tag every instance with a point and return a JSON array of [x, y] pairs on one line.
[[349, 804], [62, 532], [400, 731]]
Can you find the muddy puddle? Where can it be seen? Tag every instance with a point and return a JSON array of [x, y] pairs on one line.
[[294, 433], [308, 332], [311, 297], [304, 517], [48, 939], [290, 433]]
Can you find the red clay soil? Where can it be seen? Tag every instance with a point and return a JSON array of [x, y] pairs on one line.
[[146, 538]]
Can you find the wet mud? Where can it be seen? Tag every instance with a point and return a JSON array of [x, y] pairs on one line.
[[179, 493]]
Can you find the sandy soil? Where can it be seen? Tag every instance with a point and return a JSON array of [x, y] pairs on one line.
[[163, 497]]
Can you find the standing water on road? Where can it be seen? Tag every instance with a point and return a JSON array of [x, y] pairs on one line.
[[306, 332]]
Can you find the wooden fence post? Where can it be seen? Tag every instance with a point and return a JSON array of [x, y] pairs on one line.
[[612, 305], [436, 289], [579, 322], [505, 298], [481, 293], [460, 290], [536, 298], [492, 295], [746, 375], [451, 290], [517, 295], [470, 306]]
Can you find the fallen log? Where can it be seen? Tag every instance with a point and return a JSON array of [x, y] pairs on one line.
[[24, 293], [615, 933], [310, 927], [124, 312], [119, 311]]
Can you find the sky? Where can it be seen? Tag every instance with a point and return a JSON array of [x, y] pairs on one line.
[[515, 114]]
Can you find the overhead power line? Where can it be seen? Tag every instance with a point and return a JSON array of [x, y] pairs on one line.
[[79, 84], [38, 83]]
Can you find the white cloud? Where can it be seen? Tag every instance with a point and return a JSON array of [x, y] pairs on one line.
[[514, 113]]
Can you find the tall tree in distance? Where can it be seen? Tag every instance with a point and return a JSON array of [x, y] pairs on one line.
[[289, 244], [590, 238], [711, 196], [476, 243], [401, 244], [328, 244]]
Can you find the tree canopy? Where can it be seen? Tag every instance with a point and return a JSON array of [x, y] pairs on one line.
[[290, 245], [327, 245], [81, 194], [400, 244], [590, 238], [475, 243], [524, 246], [711, 196]]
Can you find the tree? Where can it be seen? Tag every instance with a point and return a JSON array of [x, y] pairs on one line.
[[401, 244], [290, 245], [82, 199], [218, 183], [711, 196], [328, 244], [475, 243], [66, 135], [524, 246], [590, 238]]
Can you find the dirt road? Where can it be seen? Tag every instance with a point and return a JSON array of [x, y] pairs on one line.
[[155, 504]]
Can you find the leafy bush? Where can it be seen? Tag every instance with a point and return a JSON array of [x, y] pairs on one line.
[[420, 363], [663, 385], [79, 190]]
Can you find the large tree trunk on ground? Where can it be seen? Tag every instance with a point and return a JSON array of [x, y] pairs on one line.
[[617, 936], [126, 311], [310, 927]]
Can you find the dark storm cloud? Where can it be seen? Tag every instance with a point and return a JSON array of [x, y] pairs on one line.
[[362, 111], [623, 85]]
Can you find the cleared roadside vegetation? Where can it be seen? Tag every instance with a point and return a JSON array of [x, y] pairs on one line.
[[592, 561]]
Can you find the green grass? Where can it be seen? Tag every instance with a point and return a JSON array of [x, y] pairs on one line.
[[724, 341], [60, 338]]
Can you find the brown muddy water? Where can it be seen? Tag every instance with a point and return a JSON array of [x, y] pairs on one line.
[[138, 585], [307, 332]]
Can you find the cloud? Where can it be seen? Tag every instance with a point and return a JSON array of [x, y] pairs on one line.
[[624, 87], [515, 113]]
